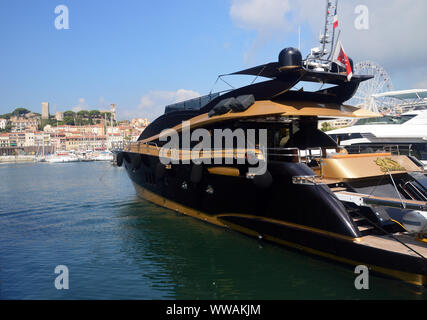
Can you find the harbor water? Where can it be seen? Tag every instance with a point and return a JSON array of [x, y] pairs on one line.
[[86, 216]]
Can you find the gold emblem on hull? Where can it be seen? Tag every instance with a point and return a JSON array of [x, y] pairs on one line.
[[388, 164]]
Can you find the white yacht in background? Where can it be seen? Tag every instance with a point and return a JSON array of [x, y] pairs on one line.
[[85, 156], [61, 157], [104, 156], [404, 133]]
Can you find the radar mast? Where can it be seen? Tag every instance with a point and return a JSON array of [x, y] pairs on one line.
[[319, 58]]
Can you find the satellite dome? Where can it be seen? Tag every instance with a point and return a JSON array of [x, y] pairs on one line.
[[290, 58]]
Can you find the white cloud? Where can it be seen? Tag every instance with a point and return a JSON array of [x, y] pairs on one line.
[[182, 95], [266, 17], [153, 103], [259, 15], [396, 38], [82, 105]]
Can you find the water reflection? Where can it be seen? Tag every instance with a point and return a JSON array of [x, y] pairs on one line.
[[87, 216], [189, 259]]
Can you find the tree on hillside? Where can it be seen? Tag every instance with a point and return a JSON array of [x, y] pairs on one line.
[[95, 114], [6, 116], [68, 120], [83, 114], [326, 127], [71, 114], [106, 115], [20, 111]]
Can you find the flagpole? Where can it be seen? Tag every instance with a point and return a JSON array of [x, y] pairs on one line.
[[332, 55], [325, 31], [336, 44], [333, 35]]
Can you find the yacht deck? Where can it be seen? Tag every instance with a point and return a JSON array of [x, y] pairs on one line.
[[389, 244]]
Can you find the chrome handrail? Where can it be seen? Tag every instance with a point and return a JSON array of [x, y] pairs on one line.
[[304, 155], [392, 148]]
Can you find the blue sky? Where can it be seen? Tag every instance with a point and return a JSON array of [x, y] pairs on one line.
[[139, 54]]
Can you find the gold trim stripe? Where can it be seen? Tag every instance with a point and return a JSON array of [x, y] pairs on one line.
[[294, 225], [172, 205], [413, 278], [141, 148]]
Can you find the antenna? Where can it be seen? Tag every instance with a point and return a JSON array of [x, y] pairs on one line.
[[328, 36], [333, 34], [316, 59]]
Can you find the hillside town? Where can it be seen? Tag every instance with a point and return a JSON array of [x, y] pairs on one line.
[[23, 132]]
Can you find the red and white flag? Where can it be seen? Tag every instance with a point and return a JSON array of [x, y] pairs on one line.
[[342, 60], [335, 19]]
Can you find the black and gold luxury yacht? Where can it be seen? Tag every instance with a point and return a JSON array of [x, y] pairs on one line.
[[359, 209], [289, 183]]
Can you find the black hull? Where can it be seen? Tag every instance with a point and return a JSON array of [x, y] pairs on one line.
[[305, 217]]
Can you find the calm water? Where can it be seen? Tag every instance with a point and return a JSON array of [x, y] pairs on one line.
[[87, 216]]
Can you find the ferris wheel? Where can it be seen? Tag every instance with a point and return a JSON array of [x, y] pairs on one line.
[[364, 97]]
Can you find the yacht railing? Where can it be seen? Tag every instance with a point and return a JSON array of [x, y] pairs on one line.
[[310, 156], [374, 148]]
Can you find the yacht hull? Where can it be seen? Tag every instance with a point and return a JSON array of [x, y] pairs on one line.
[[303, 217]]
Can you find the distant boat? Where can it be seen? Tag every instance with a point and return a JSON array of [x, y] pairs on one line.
[[61, 157], [40, 158], [85, 156], [104, 156], [40, 155]]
